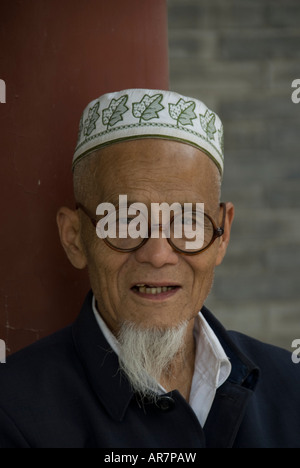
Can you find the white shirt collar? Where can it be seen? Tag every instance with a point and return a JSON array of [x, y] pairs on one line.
[[110, 337], [212, 366]]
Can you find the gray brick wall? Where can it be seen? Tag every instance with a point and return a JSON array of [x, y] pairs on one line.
[[240, 58]]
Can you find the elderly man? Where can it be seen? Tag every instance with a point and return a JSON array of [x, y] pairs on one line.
[[146, 364]]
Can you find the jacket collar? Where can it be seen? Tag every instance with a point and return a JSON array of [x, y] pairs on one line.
[[231, 399], [100, 363], [243, 372], [102, 368]]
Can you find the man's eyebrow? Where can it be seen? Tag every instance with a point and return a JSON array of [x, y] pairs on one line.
[[115, 201]]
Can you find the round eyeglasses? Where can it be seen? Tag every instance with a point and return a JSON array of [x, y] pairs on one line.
[[181, 231]]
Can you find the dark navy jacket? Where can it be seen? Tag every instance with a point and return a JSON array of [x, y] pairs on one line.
[[66, 391]]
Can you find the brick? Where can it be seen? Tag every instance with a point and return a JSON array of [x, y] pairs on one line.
[[218, 74], [259, 226], [283, 257], [284, 324], [212, 14], [184, 43], [259, 45], [271, 181], [250, 198], [284, 134], [235, 15], [240, 316], [284, 165], [283, 72], [245, 286], [265, 104], [283, 14], [246, 134], [238, 256], [286, 195], [246, 166], [184, 16]]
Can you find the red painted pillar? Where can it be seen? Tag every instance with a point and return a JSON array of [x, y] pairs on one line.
[[55, 57]]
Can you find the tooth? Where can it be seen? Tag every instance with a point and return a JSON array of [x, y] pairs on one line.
[[150, 289]]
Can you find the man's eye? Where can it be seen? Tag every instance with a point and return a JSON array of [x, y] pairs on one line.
[[189, 221]]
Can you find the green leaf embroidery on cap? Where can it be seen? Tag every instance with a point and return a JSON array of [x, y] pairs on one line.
[[208, 124], [221, 139], [114, 112], [80, 129], [90, 121], [148, 108], [183, 112]]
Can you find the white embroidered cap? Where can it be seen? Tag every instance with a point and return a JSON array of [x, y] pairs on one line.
[[143, 113]]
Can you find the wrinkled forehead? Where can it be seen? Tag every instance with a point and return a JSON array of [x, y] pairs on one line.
[[150, 169]]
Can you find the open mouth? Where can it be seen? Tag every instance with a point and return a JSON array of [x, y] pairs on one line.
[[154, 290]]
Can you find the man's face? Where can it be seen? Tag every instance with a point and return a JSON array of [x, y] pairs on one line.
[[150, 171]]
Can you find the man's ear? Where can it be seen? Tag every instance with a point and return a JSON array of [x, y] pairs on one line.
[[224, 240], [69, 232]]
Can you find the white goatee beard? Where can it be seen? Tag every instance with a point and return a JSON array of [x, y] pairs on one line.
[[146, 354]]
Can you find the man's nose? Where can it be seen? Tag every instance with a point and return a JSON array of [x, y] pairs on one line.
[[158, 252]]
